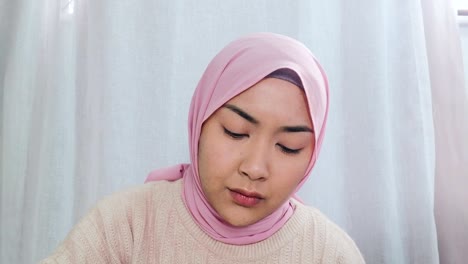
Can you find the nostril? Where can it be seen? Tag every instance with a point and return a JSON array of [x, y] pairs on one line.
[[254, 163], [253, 175]]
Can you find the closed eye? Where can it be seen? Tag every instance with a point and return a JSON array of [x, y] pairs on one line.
[[234, 135], [288, 150]]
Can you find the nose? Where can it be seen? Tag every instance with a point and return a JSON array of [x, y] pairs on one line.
[[255, 162]]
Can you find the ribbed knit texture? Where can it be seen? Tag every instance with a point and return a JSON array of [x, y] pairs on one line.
[[150, 224]]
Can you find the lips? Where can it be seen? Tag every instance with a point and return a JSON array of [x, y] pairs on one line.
[[245, 198]]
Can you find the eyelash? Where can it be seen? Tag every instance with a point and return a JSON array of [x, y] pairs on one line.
[[234, 135], [240, 136], [288, 150]]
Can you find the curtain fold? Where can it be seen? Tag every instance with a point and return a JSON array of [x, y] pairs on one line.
[[95, 96], [450, 111]]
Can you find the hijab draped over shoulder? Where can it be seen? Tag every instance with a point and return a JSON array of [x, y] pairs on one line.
[[237, 67]]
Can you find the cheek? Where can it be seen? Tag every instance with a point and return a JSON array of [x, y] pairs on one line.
[[206, 171], [215, 158], [285, 187], [289, 173], [289, 177]]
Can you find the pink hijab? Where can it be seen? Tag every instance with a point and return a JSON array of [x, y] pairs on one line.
[[240, 65]]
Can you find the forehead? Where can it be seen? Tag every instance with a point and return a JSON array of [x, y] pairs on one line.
[[274, 98]]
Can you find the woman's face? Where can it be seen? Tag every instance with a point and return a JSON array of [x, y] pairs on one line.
[[255, 150]]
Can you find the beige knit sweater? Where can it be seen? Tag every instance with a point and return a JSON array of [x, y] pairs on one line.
[[150, 224]]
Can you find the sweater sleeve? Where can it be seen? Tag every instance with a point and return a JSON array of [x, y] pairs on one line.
[[104, 235], [339, 246], [349, 252]]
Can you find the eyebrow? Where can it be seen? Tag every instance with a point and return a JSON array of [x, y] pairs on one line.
[[297, 129], [252, 120], [242, 113]]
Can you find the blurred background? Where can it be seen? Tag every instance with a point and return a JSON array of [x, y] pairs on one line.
[[95, 94]]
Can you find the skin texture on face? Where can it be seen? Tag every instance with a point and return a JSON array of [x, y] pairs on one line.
[[255, 150]]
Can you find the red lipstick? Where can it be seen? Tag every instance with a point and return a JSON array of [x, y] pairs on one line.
[[245, 198]]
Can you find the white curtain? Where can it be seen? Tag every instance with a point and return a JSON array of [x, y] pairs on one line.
[[450, 113], [95, 94]]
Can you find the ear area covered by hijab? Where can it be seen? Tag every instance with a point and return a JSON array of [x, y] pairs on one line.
[[237, 67]]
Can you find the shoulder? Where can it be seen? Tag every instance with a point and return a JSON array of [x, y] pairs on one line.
[[137, 194], [132, 207], [110, 230], [334, 242]]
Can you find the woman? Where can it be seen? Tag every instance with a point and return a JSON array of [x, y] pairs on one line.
[[256, 124]]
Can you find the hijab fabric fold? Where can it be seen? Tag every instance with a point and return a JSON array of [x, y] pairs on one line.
[[237, 67]]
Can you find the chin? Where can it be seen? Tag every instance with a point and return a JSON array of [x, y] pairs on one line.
[[240, 222]]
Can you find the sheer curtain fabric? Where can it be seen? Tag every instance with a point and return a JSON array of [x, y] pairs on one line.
[[95, 94]]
